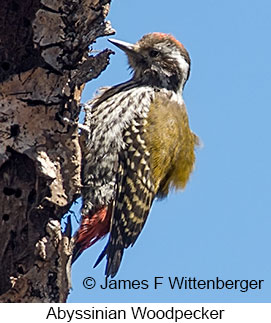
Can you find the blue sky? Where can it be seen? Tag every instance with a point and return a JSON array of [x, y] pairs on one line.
[[220, 224]]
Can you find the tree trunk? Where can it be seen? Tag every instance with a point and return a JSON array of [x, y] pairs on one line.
[[44, 64]]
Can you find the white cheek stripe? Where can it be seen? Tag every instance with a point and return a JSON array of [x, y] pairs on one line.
[[183, 65]]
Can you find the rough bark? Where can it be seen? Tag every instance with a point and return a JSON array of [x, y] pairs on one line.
[[44, 64]]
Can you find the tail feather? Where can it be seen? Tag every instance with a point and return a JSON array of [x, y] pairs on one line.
[[113, 263], [114, 256], [91, 230], [101, 256]]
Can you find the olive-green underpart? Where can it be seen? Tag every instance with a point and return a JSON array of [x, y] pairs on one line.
[[171, 144]]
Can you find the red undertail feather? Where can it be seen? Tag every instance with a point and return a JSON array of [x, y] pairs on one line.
[[92, 229]]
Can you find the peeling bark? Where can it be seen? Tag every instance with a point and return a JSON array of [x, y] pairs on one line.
[[44, 64]]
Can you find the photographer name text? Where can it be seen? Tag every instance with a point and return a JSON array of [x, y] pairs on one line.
[[179, 283]]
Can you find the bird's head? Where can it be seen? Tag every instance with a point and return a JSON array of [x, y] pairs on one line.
[[158, 59]]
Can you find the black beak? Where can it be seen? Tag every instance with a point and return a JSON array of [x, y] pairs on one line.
[[128, 48]]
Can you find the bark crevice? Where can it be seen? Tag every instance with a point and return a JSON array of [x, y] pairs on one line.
[[44, 65]]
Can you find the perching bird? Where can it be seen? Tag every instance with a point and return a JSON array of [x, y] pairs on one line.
[[137, 146]]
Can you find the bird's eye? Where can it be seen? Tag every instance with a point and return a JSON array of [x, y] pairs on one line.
[[154, 53]]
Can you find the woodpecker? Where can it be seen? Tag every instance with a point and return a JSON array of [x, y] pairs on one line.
[[137, 146]]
